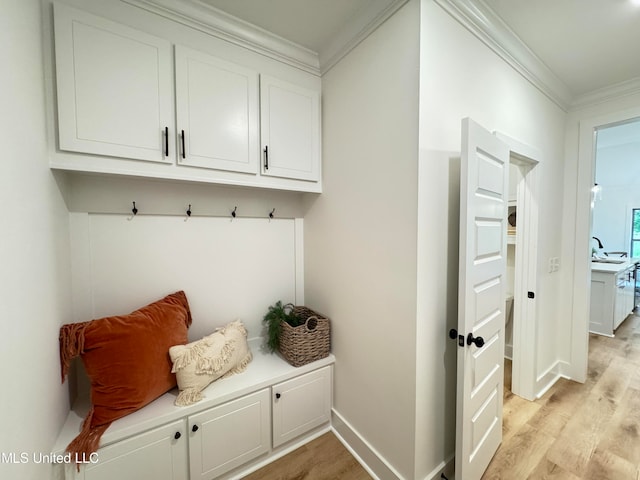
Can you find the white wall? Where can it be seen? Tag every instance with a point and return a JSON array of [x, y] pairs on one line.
[[618, 174], [34, 252], [229, 269], [360, 236], [461, 77]]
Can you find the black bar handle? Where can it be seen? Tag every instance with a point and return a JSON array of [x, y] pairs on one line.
[[166, 141], [182, 137], [266, 157]]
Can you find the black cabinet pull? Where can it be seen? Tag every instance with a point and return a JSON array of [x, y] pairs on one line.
[[177, 435], [166, 141], [182, 140], [266, 157], [278, 395], [194, 428]]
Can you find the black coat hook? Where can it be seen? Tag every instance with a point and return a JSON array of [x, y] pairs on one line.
[[271, 213], [233, 214], [134, 209], [189, 211]]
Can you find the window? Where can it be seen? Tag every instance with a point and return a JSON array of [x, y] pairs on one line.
[[635, 233]]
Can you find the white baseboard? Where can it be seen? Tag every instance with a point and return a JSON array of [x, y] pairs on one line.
[[548, 378], [370, 459]]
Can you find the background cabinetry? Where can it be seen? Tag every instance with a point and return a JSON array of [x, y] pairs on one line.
[[125, 96], [612, 297]]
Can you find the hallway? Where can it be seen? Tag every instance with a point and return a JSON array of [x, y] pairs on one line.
[[579, 431]]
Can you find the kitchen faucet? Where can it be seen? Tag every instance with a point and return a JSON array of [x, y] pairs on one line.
[[599, 242]]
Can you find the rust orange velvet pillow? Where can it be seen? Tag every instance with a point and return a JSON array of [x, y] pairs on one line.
[[126, 358]]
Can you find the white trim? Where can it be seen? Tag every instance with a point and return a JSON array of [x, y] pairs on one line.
[[581, 292], [548, 379], [524, 324], [495, 33], [215, 22], [360, 28], [446, 467], [606, 94], [375, 464], [298, 225]]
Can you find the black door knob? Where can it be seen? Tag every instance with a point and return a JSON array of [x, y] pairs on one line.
[[194, 428], [453, 334], [177, 435], [478, 341], [278, 395]]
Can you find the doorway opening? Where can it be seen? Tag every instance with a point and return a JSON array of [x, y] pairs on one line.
[[520, 330], [582, 242]]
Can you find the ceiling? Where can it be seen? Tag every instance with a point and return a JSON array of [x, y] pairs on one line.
[[310, 23], [588, 44]]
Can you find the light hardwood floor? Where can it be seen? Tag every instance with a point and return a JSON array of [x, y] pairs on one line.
[[579, 431], [324, 458], [576, 431]]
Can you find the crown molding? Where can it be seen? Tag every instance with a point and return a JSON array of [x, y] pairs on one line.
[[212, 21], [606, 94], [360, 27], [487, 26]]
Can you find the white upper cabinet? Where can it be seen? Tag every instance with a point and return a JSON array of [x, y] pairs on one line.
[[290, 130], [191, 106], [217, 113], [114, 88]]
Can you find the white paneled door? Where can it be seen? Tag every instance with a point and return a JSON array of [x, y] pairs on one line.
[[483, 243]]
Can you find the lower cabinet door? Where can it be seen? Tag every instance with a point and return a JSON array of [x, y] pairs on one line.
[[159, 454], [301, 404], [227, 436]]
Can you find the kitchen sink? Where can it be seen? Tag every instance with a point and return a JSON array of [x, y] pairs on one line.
[[607, 260]]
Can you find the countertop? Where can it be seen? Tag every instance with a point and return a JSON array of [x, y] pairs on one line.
[[613, 267]]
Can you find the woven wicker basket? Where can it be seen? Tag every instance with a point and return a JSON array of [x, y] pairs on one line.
[[308, 342]]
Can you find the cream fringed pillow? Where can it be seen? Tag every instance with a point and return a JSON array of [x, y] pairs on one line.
[[199, 363]]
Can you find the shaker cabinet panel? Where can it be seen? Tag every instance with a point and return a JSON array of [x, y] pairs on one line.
[[290, 130], [225, 437], [160, 454], [217, 113], [114, 86], [301, 404]]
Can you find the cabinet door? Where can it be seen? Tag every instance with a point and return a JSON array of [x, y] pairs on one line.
[[156, 454], [289, 130], [217, 113], [225, 437], [301, 404], [114, 87]]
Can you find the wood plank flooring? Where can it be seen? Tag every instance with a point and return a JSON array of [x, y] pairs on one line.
[[324, 458], [576, 431], [587, 431]]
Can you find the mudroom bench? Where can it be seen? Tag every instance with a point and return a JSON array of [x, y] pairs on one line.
[[243, 422]]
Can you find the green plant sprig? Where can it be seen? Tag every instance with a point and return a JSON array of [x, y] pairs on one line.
[[273, 319]]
